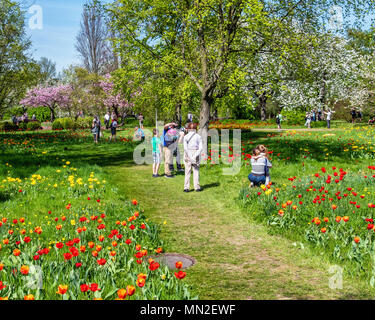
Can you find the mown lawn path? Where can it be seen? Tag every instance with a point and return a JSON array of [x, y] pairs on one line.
[[236, 257]]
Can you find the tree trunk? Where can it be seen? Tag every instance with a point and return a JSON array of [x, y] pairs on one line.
[[115, 109], [52, 114], [204, 119], [214, 113], [178, 113], [263, 105]]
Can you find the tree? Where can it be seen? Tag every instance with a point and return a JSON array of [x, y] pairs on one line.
[[17, 70], [47, 69], [92, 39], [202, 39], [112, 99], [335, 74], [51, 97]]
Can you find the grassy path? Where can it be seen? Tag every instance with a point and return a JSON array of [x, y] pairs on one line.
[[236, 258]]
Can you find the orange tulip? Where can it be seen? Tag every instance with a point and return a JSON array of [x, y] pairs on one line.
[[62, 289], [357, 239], [25, 270], [141, 282], [130, 290], [122, 293], [29, 297]]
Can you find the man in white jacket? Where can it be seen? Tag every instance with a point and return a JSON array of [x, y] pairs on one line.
[[193, 147]]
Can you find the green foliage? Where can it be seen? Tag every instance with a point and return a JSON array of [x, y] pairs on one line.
[[84, 123], [33, 125], [15, 111], [63, 124], [294, 117], [42, 114], [68, 123], [18, 72], [57, 125]]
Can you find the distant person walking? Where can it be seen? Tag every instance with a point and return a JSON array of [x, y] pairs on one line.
[[193, 147], [360, 115], [95, 129], [141, 118], [113, 127], [328, 117], [308, 120], [319, 114], [279, 119], [189, 117]]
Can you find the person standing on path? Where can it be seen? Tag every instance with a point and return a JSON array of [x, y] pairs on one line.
[[156, 153], [279, 118], [193, 147], [168, 141], [175, 149], [114, 126], [95, 129], [308, 120], [141, 118], [329, 115]]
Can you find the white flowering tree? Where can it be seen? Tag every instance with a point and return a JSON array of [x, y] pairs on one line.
[[334, 73]]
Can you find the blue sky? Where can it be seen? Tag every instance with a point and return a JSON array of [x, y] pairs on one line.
[[56, 39]]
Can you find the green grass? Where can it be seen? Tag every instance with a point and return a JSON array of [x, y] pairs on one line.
[[237, 256]]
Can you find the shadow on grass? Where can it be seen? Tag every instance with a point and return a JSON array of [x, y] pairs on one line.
[[211, 185]]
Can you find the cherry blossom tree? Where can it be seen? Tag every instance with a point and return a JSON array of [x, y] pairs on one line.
[[114, 99], [51, 97]]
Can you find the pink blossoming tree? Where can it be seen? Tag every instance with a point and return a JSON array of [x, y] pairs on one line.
[[51, 97], [112, 99]]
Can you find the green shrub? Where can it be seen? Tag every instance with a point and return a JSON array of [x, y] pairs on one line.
[[67, 123], [57, 125], [84, 123], [42, 114], [22, 126], [8, 126], [34, 125], [294, 117]]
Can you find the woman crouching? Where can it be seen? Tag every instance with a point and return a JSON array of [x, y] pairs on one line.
[[260, 166]]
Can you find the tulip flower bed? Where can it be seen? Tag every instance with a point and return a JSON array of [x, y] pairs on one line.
[[66, 233], [330, 206]]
